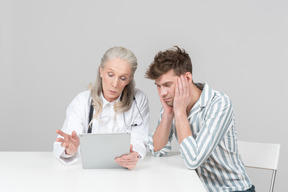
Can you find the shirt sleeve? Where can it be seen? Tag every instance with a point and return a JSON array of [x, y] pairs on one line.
[[74, 121], [218, 121], [167, 148], [139, 133]]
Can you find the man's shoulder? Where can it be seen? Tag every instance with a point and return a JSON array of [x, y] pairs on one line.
[[220, 97], [220, 94], [216, 96]]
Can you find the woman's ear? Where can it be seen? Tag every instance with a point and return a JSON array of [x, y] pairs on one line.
[[188, 75], [100, 71], [131, 77]]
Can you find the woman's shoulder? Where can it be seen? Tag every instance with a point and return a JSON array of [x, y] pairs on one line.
[[140, 95], [139, 92], [80, 101], [82, 97]]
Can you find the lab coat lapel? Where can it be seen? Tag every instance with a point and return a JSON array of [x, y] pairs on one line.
[[121, 122]]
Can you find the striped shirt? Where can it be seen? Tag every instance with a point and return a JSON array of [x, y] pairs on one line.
[[212, 149]]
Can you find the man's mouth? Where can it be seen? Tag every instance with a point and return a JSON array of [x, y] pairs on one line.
[[167, 99]]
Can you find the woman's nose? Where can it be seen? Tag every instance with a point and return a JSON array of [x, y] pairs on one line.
[[115, 83]]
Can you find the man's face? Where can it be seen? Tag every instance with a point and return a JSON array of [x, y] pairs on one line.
[[166, 86]]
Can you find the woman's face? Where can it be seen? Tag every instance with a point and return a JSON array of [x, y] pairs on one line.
[[116, 74]]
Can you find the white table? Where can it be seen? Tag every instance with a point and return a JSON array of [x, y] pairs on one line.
[[40, 171]]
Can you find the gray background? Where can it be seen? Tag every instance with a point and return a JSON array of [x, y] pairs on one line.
[[50, 51]]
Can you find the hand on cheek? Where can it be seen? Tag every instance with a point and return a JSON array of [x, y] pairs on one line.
[[183, 95]]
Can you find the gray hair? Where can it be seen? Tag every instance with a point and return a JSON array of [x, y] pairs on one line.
[[127, 93]]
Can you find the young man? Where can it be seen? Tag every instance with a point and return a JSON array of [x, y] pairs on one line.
[[202, 120]]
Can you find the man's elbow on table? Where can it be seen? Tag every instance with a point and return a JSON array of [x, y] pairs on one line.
[[192, 164]]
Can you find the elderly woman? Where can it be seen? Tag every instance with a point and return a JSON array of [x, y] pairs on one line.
[[116, 106]]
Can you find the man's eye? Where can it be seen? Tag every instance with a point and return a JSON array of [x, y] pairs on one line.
[[168, 85], [110, 74]]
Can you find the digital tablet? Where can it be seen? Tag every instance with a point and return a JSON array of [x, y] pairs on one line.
[[98, 151]]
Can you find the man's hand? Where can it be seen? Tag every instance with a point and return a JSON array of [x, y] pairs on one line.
[[167, 109], [182, 100], [183, 94], [70, 142], [128, 161]]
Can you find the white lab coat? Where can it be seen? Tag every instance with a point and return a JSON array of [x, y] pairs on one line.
[[77, 116]]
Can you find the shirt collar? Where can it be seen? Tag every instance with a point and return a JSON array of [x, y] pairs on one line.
[[206, 95], [204, 99], [105, 102]]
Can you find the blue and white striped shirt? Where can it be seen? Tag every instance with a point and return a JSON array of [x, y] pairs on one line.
[[212, 149]]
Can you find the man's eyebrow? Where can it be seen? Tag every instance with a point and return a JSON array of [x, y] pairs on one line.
[[165, 83]]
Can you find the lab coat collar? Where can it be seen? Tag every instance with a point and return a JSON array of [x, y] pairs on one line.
[[119, 117], [105, 102]]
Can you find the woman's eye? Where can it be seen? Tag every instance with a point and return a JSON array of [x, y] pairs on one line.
[[123, 78], [110, 74]]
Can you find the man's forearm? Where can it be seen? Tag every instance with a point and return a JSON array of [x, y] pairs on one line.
[[182, 127], [161, 135]]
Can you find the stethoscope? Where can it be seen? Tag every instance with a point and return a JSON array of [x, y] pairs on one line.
[[128, 128]]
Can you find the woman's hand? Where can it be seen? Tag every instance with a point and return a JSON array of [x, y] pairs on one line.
[[128, 161], [70, 142]]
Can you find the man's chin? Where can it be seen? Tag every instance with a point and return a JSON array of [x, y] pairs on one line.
[[170, 103]]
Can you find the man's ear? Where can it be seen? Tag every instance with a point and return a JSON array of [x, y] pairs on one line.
[[188, 75]]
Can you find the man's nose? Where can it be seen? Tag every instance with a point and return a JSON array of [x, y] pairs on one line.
[[163, 91]]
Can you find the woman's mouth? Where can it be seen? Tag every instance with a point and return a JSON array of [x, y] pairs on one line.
[[112, 92]]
